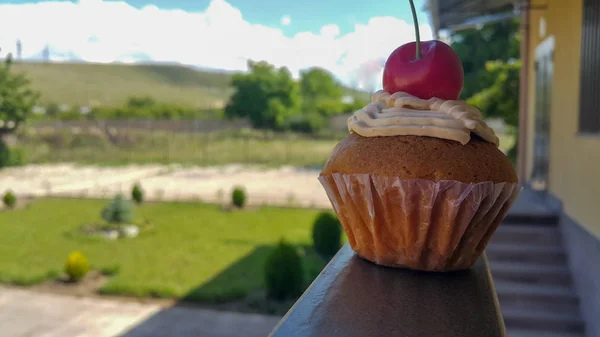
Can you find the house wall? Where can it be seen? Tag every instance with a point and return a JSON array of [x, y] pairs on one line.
[[574, 158]]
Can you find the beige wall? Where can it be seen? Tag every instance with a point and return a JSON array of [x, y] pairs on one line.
[[574, 158]]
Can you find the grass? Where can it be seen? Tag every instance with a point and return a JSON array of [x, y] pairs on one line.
[[195, 252], [143, 147], [112, 84], [202, 149]]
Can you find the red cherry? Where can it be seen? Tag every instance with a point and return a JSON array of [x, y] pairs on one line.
[[438, 73]]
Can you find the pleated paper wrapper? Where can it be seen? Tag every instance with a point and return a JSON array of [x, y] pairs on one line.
[[418, 224]]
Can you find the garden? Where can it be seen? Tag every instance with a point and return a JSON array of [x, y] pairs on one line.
[[233, 257]]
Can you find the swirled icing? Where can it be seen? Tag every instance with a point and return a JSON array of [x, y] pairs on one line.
[[402, 114]]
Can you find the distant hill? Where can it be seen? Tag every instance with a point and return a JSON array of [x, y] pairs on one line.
[[112, 84]]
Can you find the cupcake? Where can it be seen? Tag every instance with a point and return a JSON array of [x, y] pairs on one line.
[[419, 183]]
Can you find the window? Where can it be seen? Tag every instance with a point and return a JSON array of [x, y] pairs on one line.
[[589, 99]]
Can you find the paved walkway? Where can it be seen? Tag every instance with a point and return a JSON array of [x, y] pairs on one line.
[[31, 314], [284, 186]]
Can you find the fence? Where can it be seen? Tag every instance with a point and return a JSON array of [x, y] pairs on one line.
[[195, 125], [193, 142]]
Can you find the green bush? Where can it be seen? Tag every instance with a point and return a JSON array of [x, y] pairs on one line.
[[9, 199], [308, 123], [77, 266], [4, 154], [52, 110], [111, 270], [10, 156], [238, 197], [16, 157], [284, 273], [118, 211], [137, 194], [327, 234]]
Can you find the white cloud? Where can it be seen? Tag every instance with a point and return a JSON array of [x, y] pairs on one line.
[[286, 20], [218, 37], [330, 31]]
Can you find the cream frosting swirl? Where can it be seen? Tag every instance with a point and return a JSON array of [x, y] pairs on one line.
[[402, 114]]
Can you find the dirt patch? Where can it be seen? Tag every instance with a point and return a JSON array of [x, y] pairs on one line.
[[256, 302], [21, 204], [89, 285], [247, 208], [89, 288]]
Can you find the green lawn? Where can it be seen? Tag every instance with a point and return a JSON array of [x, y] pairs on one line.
[[194, 251]]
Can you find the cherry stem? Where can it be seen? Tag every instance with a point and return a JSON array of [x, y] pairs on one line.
[[416, 23]]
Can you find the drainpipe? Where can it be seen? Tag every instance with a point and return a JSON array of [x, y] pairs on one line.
[[523, 94], [434, 17]]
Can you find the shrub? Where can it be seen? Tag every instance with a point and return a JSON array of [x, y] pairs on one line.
[[4, 154], [308, 123], [10, 156], [16, 157], [77, 266], [111, 270], [52, 110], [118, 211], [284, 273], [327, 234], [238, 197], [137, 194], [9, 199]]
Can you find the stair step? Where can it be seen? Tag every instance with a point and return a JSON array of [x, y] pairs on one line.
[[543, 322], [527, 234], [545, 291], [537, 333], [537, 298], [539, 306], [500, 251], [529, 273], [537, 218]]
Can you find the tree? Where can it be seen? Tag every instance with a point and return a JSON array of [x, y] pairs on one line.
[[266, 95], [118, 211], [320, 92], [475, 47], [500, 99], [490, 59], [17, 99]]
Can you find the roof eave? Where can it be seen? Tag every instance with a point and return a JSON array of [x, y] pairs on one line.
[[480, 15]]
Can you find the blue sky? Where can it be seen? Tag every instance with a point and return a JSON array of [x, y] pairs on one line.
[[307, 15], [348, 37]]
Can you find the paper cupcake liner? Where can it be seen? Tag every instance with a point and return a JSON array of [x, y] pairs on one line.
[[418, 224]]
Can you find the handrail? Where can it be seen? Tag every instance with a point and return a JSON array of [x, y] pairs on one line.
[[355, 298]]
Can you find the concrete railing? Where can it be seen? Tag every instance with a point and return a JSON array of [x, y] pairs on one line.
[[356, 298]]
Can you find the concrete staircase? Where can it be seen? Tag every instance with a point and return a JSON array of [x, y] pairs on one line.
[[532, 279]]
